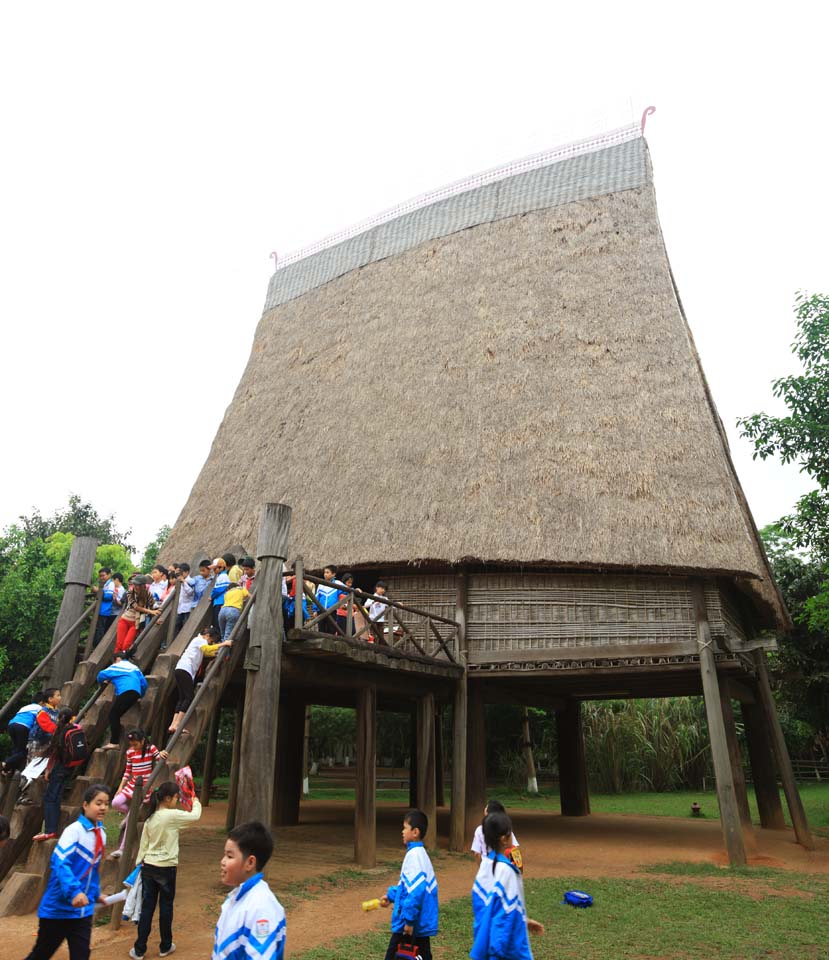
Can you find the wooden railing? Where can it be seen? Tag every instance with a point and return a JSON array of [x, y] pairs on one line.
[[397, 625]]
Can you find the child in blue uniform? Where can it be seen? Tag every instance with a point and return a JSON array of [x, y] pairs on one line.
[[65, 912], [252, 922], [130, 685], [415, 898], [500, 922], [18, 729]]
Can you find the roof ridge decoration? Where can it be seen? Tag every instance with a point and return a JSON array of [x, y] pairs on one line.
[[565, 173]]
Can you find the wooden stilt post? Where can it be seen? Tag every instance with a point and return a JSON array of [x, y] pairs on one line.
[[475, 758], [263, 664], [737, 773], [210, 758], [574, 794], [426, 764], [365, 798], [763, 772], [233, 790], [413, 752], [306, 753], [288, 772], [781, 755], [78, 574], [457, 827], [726, 794], [131, 840], [440, 798]]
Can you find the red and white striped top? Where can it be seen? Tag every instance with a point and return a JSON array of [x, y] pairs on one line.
[[138, 765]]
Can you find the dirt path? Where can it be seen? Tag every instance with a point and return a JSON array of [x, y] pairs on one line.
[[600, 845]]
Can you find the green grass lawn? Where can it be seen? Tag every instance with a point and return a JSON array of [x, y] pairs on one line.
[[683, 912], [815, 801]]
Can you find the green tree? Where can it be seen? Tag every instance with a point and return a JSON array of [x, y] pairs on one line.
[[802, 436], [153, 549]]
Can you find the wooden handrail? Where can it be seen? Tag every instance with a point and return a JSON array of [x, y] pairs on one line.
[[40, 667]]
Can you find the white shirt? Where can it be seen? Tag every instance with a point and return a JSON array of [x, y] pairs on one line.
[[478, 845], [192, 657], [376, 607], [251, 924]]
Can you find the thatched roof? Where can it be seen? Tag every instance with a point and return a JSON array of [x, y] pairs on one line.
[[504, 375]]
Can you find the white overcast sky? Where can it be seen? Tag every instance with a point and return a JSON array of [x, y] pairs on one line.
[[153, 155]]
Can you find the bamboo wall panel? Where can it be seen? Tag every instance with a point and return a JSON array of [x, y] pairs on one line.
[[545, 611]]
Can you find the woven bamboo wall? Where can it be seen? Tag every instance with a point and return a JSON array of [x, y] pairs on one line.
[[546, 611]]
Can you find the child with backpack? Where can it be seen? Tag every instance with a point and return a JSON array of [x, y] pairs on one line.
[[158, 855], [500, 923], [65, 911], [67, 750]]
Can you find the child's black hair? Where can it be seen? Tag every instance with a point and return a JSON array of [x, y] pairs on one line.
[[417, 820], [48, 693], [167, 789], [332, 567], [380, 583], [119, 577], [161, 569], [203, 563], [346, 577], [65, 715], [138, 734], [492, 806], [496, 825], [93, 790], [229, 559], [211, 631], [184, 567], [5, 829], [253, 839]]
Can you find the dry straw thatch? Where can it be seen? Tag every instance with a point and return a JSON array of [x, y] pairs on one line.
[[523, 391]]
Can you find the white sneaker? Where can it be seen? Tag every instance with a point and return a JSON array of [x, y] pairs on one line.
[[136, 956], [167, 953]]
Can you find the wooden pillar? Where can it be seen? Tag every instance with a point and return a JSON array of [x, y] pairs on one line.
[[457, 825], [263, 663], [763, 771], [426, 764], [737, 773], [475, 758], [781, 754], [306, 752], [210, 757], [233, 790], [288, 771], [413, 758], [131, 840], [726, 794], [365, 796], [574, 794], [440, 798], [78, 575]]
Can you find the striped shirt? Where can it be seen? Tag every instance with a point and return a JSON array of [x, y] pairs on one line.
[[138, 765]]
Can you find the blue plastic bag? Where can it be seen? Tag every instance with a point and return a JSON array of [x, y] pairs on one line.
[[577, 898]]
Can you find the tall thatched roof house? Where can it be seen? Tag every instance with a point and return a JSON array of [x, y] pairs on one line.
[[492, 396], [500, 373]]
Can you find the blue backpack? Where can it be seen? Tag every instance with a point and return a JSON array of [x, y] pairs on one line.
[[578, 898]]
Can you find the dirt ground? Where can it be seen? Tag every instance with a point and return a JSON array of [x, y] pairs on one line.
[[599, 845]]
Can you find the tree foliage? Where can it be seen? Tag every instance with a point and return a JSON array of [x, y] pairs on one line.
[[802, 436], [154, 547], [78, 518]]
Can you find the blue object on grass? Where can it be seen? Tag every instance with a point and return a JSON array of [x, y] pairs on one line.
[[578, 898]]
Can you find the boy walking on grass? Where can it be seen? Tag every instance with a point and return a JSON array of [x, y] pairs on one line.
[[252, 922], [415, 898]]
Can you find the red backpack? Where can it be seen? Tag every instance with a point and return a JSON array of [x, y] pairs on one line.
[[75, 749]]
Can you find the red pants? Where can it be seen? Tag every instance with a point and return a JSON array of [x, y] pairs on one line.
[[126, 634]]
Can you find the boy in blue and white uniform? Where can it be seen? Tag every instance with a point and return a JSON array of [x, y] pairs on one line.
[[415, 898], [18, 729], [252, 922], [130, 685]]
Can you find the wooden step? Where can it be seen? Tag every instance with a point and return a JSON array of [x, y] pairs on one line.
[[21, 894]]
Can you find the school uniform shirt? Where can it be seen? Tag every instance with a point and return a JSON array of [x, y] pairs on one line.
[[251, 925], [25, 717], [45, 724], [159, 838], [481, 889], [502, 925], [478, 845], [220, 587], [107, 596], [124, 675], [138, 765], [159, 591], [328, 594], [415, 897], [187, 595], [200, 585], [74, 869], [376, 607], [192, 657]]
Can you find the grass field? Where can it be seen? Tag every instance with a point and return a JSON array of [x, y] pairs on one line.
[[815, 801], [679, 911]]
